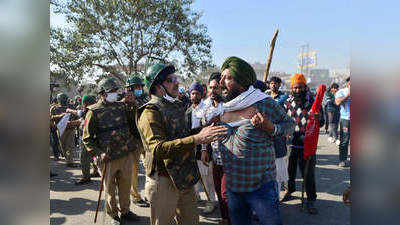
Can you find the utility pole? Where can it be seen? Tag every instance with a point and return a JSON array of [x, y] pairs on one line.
[[304, 49]]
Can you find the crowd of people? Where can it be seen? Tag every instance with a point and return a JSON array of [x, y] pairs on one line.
[[228, 137]]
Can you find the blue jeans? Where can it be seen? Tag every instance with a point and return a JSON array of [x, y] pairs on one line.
[[264, 202]]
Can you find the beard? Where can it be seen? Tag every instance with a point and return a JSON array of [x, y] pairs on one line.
[[216, 98], [231, 94], [299, 96]]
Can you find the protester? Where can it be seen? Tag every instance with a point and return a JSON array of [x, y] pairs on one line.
[[298, 107], [108, 133], [333, 114], [248, 155], [135, 95], [212, 103], [194, 120], [170, 157], [279, 141], [57, 112], [275, 84], [342, 98]]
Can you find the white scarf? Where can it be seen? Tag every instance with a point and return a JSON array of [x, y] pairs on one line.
[[244, 100]]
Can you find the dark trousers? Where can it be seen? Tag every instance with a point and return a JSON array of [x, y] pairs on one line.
[[344, 139], [326, 119], [333, 122], [219, 184], [296, 157], [54, 142]]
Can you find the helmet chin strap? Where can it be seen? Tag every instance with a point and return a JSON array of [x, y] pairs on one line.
[[167, 95]]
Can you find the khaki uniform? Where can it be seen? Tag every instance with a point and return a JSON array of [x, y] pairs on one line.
[[86, 162], [170, 162], [139, 101], [67, 139], [110, 128]]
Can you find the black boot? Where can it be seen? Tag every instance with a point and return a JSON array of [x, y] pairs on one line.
[[53, 174], [129, 217], [83, 181], [141, 203], [95, 174], [311, 208]]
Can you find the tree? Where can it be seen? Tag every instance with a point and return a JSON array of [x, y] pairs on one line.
[[121, 36]]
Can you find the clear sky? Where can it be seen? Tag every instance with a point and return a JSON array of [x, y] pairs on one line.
[[332, 28]]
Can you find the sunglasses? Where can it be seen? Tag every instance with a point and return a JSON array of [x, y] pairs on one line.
[[172, 80]]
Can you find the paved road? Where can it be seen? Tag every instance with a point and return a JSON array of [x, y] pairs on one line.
[[73, 205]]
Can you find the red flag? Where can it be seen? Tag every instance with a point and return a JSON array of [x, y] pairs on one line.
[[312, 128]]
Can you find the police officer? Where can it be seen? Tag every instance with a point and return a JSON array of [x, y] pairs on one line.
[[136, 95], [108, 133], [134, 88], [67, 139], [86, 160], [170, 157]]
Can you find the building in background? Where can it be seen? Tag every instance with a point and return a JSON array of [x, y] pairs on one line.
[[317, 77]]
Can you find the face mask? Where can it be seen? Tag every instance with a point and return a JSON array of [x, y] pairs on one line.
[[138, 92], [112, 97]]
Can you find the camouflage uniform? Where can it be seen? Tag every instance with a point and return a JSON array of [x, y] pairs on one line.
[[68, 137], [110, 128], [170, 162]]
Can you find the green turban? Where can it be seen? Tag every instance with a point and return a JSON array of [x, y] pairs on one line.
[[88, 100], [240, 70]]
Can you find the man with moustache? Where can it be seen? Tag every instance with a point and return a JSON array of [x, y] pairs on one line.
[[212, 103], [194, 120], [298, 106], [248, 156], [279, 141], [170, 150]]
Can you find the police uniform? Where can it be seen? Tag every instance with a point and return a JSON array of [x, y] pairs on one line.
[[67, 139], [107, 130], [139, 101], [170, 162]]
